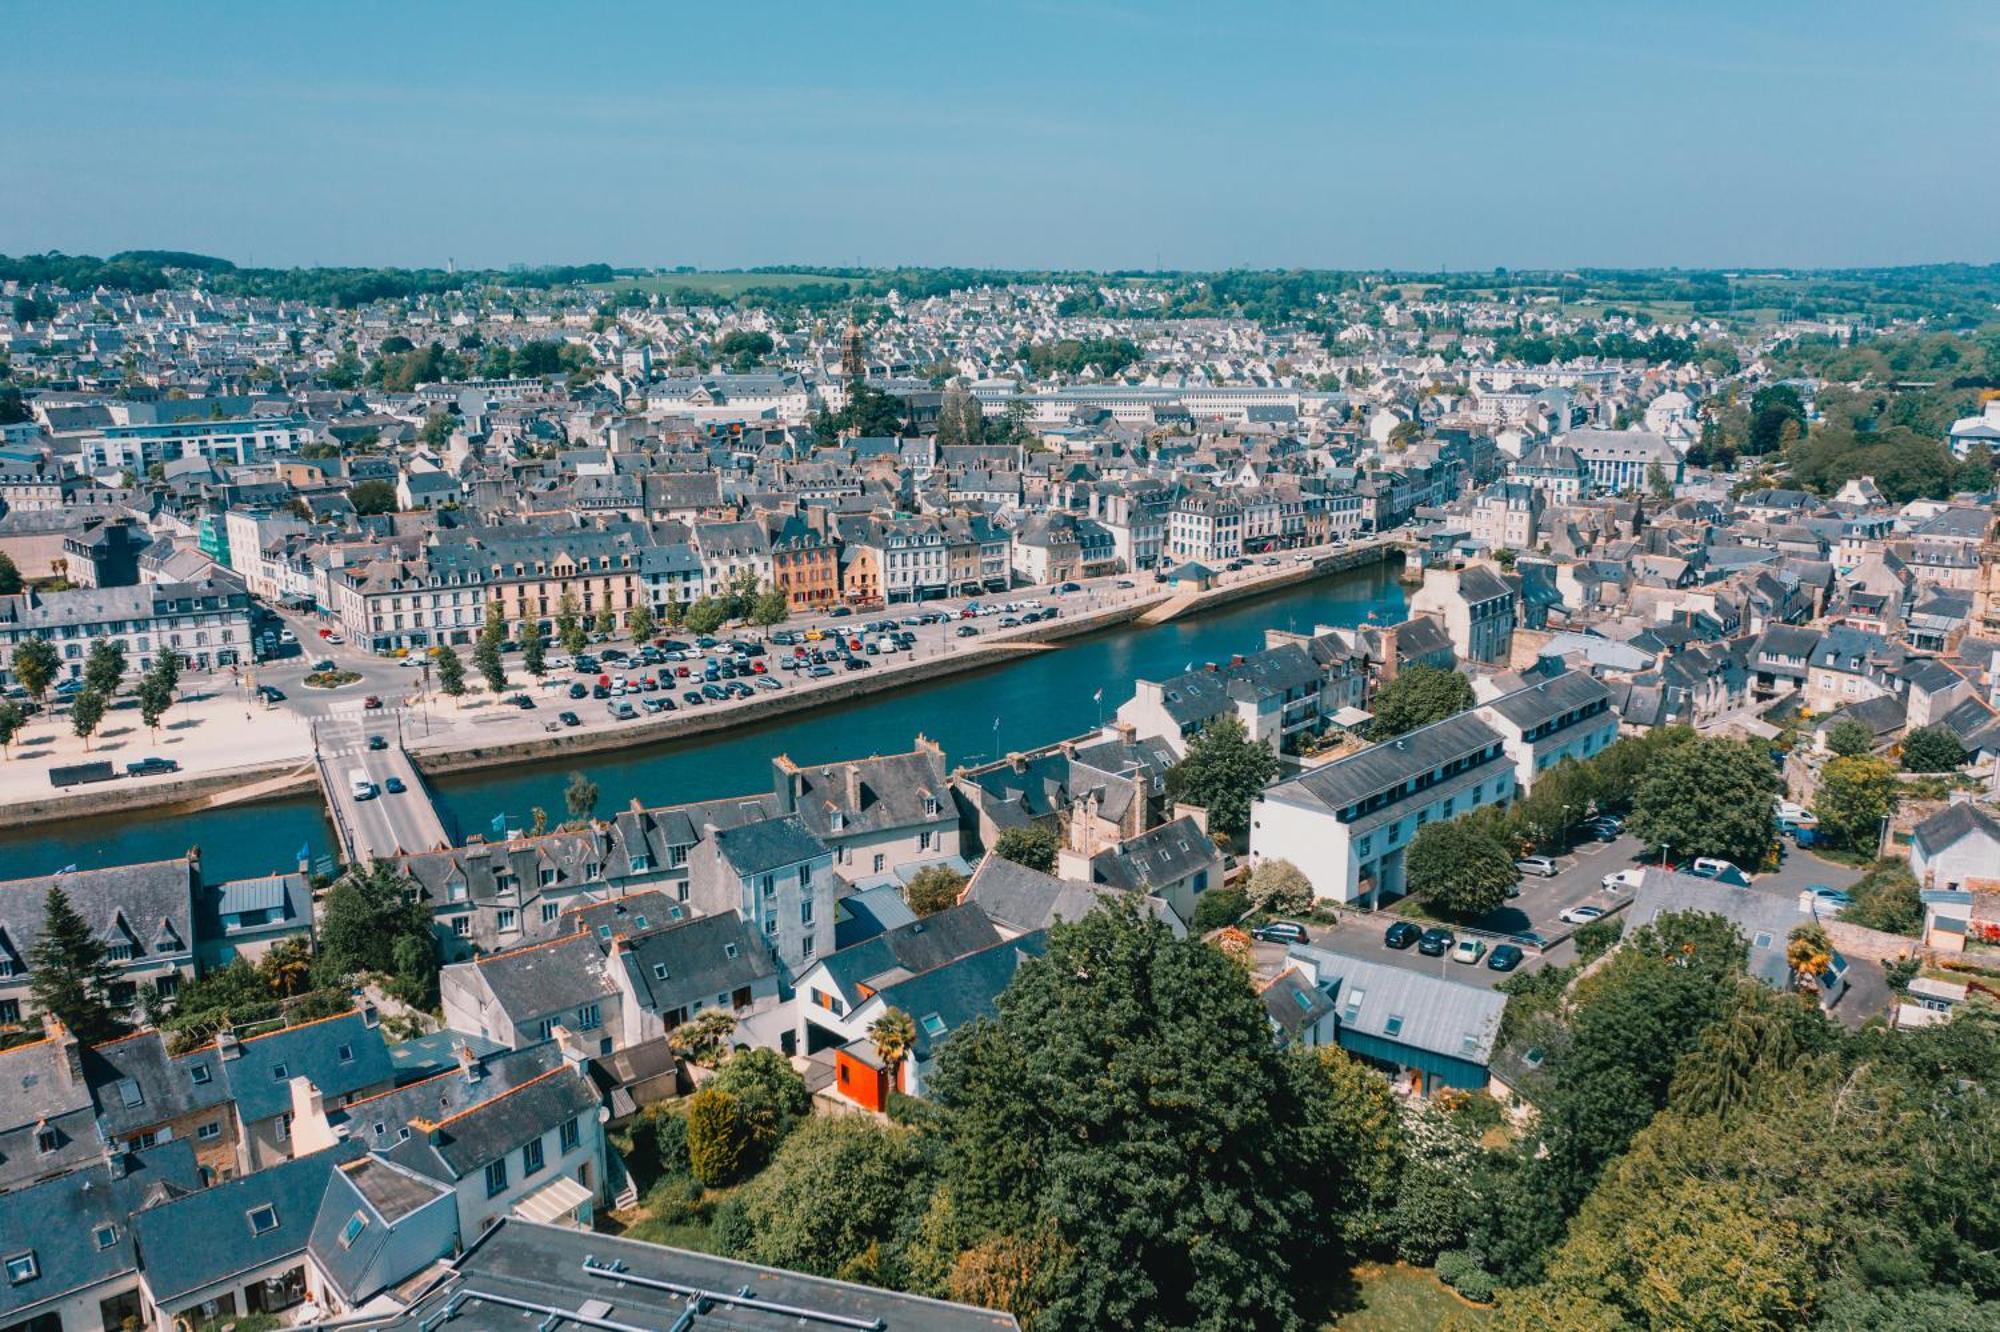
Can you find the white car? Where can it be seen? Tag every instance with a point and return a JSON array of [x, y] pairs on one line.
[[1582, 915], [1625, 880], [1468, 951]]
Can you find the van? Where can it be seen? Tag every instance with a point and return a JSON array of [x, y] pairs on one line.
[[358, 782]]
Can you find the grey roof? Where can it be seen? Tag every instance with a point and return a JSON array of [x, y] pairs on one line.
[[1430, 1013], [137, 1083], [341, 1055], [913, 949], [545, 1265], [543, 977], [1025, 900], [1157, 858], [194, 1242], [385, 1251], [149, 905], [1195, 696], [62, 1222], [871, 794], [1552, 698], [1953, 824], [38, 1090], [458, 1123], [1383, 767], [865, 914], [769, 844], [1764, 919], [949, 997], [1294, 1003], [695, 961]]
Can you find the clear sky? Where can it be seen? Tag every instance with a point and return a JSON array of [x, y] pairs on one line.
[[1419, 133]]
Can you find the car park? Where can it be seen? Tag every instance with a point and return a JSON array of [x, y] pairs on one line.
[[1401, 934], [1582, 915], [1504, 957], [1435, 941], [1468, 951], [1540, 866], [1282, 931]]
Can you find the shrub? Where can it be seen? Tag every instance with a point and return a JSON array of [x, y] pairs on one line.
[[731, 1229], [670, 1142], [1595, 939], [1476, 1285], [1886, 899], [1218, 907], [1452, 1265], [719, 1137], [675, 1200]]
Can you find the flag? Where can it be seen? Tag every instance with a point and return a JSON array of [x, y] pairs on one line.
[[996, 726], [305, 852], [67, 869], [1098, 697], [499, 825]]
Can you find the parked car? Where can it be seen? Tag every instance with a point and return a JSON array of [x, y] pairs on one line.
[[394, 786], [1582, 915], [1712, 867], [1468, 951], [578, 691], [1401, 934], [569, 719], [1434, 941], [1540, 866], [1125, 583], [1504, 957], [1824, 895], [1282, 931], [967, 630], [522, 701], [146, 767], [693, 698], [1625, 880]]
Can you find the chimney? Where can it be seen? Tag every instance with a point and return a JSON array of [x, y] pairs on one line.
[[1208, 666], [573, 1050], [791, 784], [469, 1066], [1017, 762], [72, 1049], [118, 1161], [1391, 640], [228, 1046], [1196, 812], [1236, 659], [1127, 731]]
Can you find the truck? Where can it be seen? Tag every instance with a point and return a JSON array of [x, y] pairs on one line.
[[78, 774]]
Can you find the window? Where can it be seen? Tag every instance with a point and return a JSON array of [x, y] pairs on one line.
[[570, 1135], [770, 925], [496, 1178], [352, 1230], [461, 926], [881, 862], [47, 1140], [504, 921], [659, 971], [105, 1236], [933, 1024], [263, 1220], [345, 1054], [21, 1267], [1394, 1026], [210, 1131], [729, 950], [807, 949], [549, 912], [924, 840], [531, 1158], [806, 912], [129, 1093], [279, 1072], [200, 1075], [1761, 940], [588, 1018], [1352, 1009]]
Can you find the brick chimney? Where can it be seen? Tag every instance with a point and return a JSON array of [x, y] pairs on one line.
[[852, 776], [1391, 641], [469, 1066], [72, 1049]]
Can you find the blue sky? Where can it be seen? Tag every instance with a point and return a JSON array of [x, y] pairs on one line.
[[1197, 135]]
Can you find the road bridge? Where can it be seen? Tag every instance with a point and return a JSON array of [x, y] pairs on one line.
[[357, 753]]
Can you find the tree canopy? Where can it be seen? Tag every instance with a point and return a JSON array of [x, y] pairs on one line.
[[1222, 772], [1706, 796], [1417, 697]]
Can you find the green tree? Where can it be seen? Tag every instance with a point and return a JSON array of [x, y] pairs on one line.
[[104, 666], [569, 625], [1032, 845], [770, 608], [719, 1139], [1176, 1171], [604, 624], [364, 920], [371, 497], [1849, 738], [894, 1036], [1279, 886], [580, 798], [69, 971], [1708, 797], [704, 1038], [35, 665], [1932, 749], [167, 670], [1222, 772], [86, 711], [639, 622], [534, 656], [706, 615], [1417, 697], [1854, 796], [12, 719], [1459, 867], [451, 672], [10, 575], [1887, 898], [833, 1198], [154, 701], [933, 889], [486, 659], [1658, 484], [437, 430]]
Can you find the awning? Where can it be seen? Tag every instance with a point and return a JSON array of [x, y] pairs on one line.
[[555, 1201]]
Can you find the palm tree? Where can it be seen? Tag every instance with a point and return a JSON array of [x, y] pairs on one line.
[[1808, 952], [703, 1040], [895, 1035]]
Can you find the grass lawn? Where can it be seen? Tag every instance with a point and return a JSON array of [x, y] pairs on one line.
[[720, 283], [1399, 1298]]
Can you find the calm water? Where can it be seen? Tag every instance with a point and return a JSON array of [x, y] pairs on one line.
[[1039, 699]]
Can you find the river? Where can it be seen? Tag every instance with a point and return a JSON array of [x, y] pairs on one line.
[[978, 716]]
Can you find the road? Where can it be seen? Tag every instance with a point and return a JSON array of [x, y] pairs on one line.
[[388, 821]]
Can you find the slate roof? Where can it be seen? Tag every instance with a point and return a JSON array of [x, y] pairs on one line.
[[62, 1220], [768, 844], [543, 977], [1764, 919], [154, 901], [457, 1125], [1951, 825], [1382, 767], [1195, 696], [195, 1242], [1429, 1013], [260, 1077], [384, 1194], [695, 961], [1156, 858], [137, 1083], [871, 794], [913, 949], [1294, 1003], [946, 998], [1545, 702]]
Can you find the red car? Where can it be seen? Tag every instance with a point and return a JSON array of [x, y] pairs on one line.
[[372, 701]]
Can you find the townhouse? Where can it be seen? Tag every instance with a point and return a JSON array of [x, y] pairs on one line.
[[206, 624]]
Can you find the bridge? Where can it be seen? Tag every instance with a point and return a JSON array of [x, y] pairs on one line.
[[384, 823]]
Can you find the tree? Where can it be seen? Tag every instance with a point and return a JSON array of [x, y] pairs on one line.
[[1708, 797], [12, 719], [69, 971], [155, 700], [1222, 772], [1177, 1170], [1932, 749], [1887, 898], [718, 1137], [604, 623], [580, 797], [569, 625], [933, 889], [1854, 796], [832, 1198], [770, 608], [35, 665], [894, 1035], [451, 672], [104, 667], [10, 575], [960, 417], [1459, 867], [167, 669], [86, 710], [1849, 738], [1032, 845], [534, 658], [1417, 697], [370, 497], [365, 920], [704, 1038], [1280, 886], [486, 657], [706, 615], [639, 622], [1658, 485], [438, 427]]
